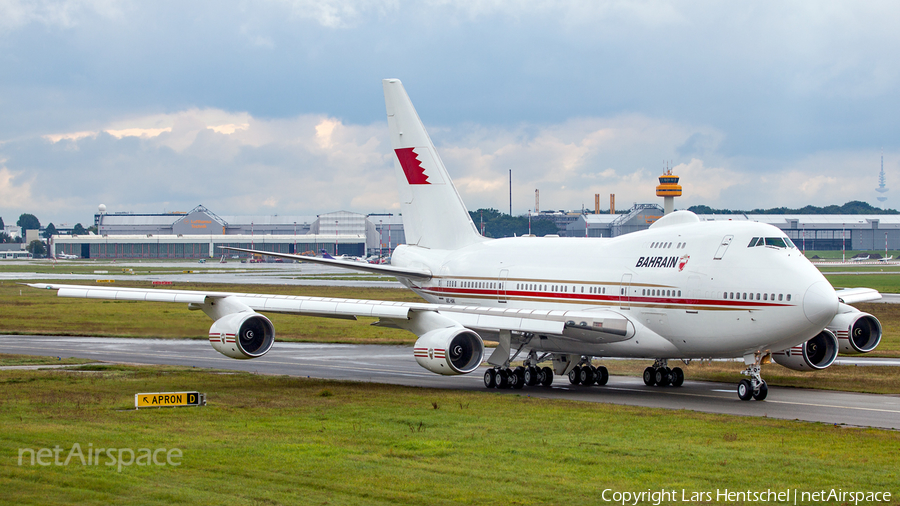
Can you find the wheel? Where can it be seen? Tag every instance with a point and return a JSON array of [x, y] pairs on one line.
[[502, 378], [586, 376], [763, 391], [530, 378], [661, 375], [602, 375], [519, 375], [490, 378], [677, 377], [745, 390], [546, 376], [575, 375], [649, 377]]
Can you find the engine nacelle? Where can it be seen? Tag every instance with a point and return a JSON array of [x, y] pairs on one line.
[[452, 350], [817, 353], [857, 332], [242, 335]]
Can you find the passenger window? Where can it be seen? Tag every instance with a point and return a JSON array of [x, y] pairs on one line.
[[765, 296], [779, 297], [789, 297], [679, 293]]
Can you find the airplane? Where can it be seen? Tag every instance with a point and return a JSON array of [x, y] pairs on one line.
[[860, 258], [681, 290], [326, 255], [886, 259], [64, 256]]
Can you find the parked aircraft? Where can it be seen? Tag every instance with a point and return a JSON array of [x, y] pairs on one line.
[[681, 290]]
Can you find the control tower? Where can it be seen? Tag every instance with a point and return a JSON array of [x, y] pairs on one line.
[[668, 189]]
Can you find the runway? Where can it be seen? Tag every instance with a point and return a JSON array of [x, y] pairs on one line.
[[396, 365]]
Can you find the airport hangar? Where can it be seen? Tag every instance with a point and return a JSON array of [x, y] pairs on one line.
[[197, 233]]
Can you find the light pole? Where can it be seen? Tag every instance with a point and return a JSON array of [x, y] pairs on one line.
[[335, 237]]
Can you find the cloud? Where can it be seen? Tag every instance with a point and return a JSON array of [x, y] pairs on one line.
[[65, 14], [236, 163], [11, 194]]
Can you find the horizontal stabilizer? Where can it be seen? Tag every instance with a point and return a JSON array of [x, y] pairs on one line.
[[854, 295], [389, 270]]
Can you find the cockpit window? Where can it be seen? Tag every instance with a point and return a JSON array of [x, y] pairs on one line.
[[775, 242]]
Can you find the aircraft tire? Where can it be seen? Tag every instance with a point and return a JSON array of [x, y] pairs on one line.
[[587, 375], [490, 378], [546, 376], [502, 378], [602, 375], [677, 377], [575, 375], [745, 390], [531, 376], [519, 375], [763, 391], [662, 376], [649, 377]]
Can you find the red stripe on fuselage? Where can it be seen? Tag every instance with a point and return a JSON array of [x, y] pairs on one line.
[[589, 297]]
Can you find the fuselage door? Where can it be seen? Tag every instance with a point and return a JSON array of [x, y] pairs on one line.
[[501, 286], [726, 241], [624, 286]]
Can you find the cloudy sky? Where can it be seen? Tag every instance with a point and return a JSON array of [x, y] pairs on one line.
[[276, 107]]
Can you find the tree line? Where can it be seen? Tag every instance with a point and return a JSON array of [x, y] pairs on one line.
[[852, 207], [27, 222], [497, 224]]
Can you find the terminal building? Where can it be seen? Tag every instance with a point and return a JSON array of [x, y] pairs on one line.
[[198, 234]]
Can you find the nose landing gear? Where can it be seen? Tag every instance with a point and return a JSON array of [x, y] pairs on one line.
[[755, 387]]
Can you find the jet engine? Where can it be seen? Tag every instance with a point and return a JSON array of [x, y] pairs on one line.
[[817, 353], [450, 350], [242, 335], [857, 332]]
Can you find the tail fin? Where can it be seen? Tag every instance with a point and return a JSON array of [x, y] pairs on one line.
[[326, 255], [434, 215]]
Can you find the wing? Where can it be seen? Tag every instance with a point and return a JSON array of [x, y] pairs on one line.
[[854, 295], [359, 266], [596, 326]]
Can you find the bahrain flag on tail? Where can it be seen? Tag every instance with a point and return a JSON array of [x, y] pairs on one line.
[[419, 166]]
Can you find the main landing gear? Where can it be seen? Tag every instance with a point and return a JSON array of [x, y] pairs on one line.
[[755, 387], [660, 375], [587, 375], [504, 377]]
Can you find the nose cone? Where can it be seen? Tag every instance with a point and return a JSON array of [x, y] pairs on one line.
[[820, 303]]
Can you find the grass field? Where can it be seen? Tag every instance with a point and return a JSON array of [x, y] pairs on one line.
[[277, 440]]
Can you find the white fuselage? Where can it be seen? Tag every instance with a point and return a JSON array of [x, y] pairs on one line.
[[691, 290]]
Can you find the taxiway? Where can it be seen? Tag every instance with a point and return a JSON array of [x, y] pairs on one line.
[[396, 365]]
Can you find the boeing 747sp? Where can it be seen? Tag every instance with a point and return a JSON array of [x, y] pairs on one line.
[[680, 291]]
